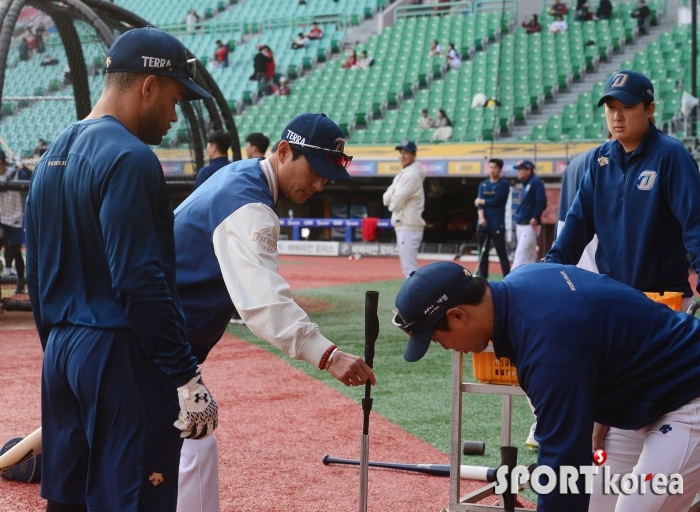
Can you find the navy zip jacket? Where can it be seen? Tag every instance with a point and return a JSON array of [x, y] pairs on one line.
[[206, 172], [532, 202], [100, 244], [590, 349], [645, 209], [496, 197]]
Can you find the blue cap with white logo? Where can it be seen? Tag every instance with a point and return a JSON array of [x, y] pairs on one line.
[[155, 52], [524, 164], [424, 299], [322, 142], [630, 87], [407, 145]]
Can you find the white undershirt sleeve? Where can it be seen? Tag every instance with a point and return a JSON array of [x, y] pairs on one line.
[[245, 244]]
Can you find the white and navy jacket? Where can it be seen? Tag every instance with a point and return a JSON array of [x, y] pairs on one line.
[[226, 236]]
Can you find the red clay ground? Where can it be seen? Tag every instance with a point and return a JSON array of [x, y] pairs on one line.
[[276, 423]]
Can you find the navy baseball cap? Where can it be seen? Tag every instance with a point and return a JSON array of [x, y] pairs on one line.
[[322, 142], [424, 299], [524, 164], [155, 52], [407, 145], [630, 87]]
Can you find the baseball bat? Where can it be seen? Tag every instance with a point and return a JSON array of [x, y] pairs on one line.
[[480, 473], [27, 448], [371, 334]]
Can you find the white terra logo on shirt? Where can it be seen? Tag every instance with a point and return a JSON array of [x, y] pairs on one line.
[[266, 238]]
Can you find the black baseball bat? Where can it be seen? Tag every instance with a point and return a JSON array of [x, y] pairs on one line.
[[481, 473]]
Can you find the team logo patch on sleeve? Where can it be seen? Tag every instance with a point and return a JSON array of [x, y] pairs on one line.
[[603, 161], [267, 239]]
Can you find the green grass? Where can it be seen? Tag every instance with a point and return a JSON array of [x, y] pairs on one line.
[[415, 396]]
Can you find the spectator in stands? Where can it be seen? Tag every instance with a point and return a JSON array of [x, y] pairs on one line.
[[443, 127], [221, 54], [643, 14], [67, 78], [453, 59], [582, 12], [405, 199], [256, 145], [559, 25], [11, 217], [425, 120], [351, 61], [260, 61], [604, 11], [435, 48], [191, 20], [558, 9], [218, 144], [40, 35], [48, 60], [315, 32], [24, 53], [270, 64], [300, 41], [532, 25], [365, 61], [40, 148], [282, 89]]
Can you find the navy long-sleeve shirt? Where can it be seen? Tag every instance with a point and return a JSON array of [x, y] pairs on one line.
[[590, 349], [644, 207], [206, 172], [495, 197], [100, 244], [532, 202]]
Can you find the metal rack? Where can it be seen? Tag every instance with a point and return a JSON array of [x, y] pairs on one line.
[[468, 503]]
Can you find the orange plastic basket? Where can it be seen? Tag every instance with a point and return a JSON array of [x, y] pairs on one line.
[[673, 300], [490, 370]]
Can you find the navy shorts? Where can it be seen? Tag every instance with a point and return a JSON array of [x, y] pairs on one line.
[[107, 413]]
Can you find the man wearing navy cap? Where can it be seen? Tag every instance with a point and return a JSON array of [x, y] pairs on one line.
[[226, 236], [120, 385], [527, 217], [587, 349], [640, 196], [405, 199]]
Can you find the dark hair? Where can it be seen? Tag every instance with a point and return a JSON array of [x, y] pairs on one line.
[[296, 152], [474, 296], [221, 140], [442, 111], [259, 141], [497, 161], [534, 17], [123, 81]]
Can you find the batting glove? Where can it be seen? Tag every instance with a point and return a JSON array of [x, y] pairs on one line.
[[199, 414]]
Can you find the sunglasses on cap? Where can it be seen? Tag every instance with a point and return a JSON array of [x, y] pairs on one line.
[[333, 156], [190, 64]]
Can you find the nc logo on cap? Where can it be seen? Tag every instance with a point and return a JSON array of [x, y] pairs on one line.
[[108, 61], [339, 144], [404, 142], [620, 80]]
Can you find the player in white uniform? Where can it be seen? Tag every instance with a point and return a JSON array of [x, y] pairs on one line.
[[226, 236]]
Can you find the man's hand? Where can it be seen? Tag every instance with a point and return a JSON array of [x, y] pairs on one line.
[[533, 222], [599, 433], [199, 414], [479, 201], [350, 370], [483, 223]]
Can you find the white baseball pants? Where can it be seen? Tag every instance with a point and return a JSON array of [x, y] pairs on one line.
[[669, 445], [525, 249], [408, 243], [198, 482]]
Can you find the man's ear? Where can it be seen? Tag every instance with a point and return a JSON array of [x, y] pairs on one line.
[[149, 87], [284, 151], [456, 314]]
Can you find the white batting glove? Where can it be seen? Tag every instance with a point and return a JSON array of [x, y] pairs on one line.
[[199, 414]]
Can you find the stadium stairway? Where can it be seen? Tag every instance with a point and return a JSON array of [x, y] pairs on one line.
[[604, 70]]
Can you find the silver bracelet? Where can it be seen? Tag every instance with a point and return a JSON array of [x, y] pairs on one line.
[[330, 358]]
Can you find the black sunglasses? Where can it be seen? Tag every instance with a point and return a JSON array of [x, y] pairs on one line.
[[333, 156], [191, 64]]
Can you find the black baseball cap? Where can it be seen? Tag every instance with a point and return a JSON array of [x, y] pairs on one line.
[[322, 142], [524, 164], [155, 52], [630, 87], [424, 299]]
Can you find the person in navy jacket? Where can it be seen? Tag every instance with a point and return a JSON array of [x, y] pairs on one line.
[[587, 349], [527, 217], [491, 203]]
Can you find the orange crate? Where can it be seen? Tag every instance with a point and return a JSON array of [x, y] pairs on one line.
[[673, 300], [493, 371]]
